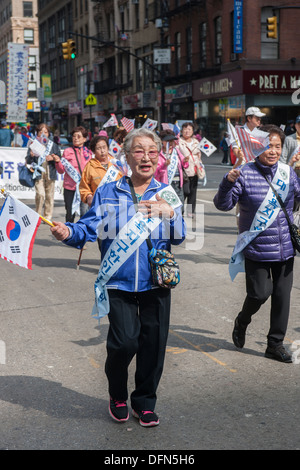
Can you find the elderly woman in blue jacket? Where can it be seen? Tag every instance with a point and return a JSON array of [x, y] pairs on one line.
[[138, 311], [264, 248]]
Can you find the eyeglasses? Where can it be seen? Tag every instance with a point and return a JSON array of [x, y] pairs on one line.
[[139, 154]]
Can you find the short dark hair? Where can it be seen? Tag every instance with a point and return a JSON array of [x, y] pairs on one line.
[[273, 129], [166, 132], [81, 129], [186, 124], [119, 135], [95, 141], [40, 126]]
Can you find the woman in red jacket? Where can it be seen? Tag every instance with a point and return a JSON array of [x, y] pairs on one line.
[[78, 155]]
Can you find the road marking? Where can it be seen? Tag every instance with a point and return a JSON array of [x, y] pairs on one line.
[[175, 350], [204, 200], [195, 346]]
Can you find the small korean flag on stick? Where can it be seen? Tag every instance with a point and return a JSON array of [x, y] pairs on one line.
[[18, 227], [114, 148], [207, 147]]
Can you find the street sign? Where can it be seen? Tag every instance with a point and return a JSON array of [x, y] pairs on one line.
[[162, 56], [90, 100]]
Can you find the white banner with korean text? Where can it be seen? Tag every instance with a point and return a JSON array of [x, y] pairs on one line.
[[10, 157], [17, 82]]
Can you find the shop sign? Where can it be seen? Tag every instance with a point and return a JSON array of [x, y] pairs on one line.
[[132, 101], [264, 82], [74, 108], [238, 27], [218, 86]]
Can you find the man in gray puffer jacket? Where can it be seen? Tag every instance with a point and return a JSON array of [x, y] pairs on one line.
[[268, 251]]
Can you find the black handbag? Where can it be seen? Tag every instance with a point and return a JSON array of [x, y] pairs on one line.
[[164, 268], [294, 230], [25, 176]]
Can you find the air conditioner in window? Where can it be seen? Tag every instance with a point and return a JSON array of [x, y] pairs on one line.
[[217, 60]]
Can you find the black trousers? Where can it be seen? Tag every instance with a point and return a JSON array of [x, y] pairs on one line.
[[191, 197], [68, 198], [262, 281], [139, 325]]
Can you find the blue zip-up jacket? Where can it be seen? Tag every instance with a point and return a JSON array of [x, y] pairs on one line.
[[249, 190], [111, 209]]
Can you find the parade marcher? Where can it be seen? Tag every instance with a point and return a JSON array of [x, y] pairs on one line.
[[253, 119], [45, 180], [98, 170], [6, 135], [138, 312], [72, 164], [264, 243], [189, 147], [171, 163], [290, 127], [291, 143], [225, 149]]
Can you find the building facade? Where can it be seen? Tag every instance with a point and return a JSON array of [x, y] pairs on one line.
[[221, 81], [19, 24]]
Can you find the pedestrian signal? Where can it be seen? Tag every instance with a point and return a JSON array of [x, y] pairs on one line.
[[272, 27], [69, 49]]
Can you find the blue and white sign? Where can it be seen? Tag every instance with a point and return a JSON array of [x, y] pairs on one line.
[[238, 27]]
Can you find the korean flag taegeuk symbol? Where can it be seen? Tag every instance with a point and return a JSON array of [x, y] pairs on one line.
[[207, 147], [18, 227]]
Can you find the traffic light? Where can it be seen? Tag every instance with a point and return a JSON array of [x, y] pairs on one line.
[[69, 49], [272, 27], [72, 48]]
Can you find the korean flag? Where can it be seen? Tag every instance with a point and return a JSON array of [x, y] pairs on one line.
[[18, 227]]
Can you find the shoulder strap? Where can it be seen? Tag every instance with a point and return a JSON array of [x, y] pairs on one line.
[[276, 194], [135, 202], [77, 160]]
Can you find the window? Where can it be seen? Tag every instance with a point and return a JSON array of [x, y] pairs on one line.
[[61, 25], [28, 36], [27, 9], [202, 48], [177, 52], [43, 38], [188, 49], [218, 39], [53, 68], [269, 46], [137, 16], [32, 62], [52, 33], [32, 89], [62, 74]]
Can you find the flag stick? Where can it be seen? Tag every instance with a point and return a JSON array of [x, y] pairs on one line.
[[47, 221], [80, 254]]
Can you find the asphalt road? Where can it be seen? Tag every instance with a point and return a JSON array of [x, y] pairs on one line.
[[53, 390]]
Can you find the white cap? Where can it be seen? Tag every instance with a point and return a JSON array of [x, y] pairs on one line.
[[253, 111]]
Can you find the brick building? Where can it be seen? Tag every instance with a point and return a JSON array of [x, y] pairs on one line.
[[210, 82]]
